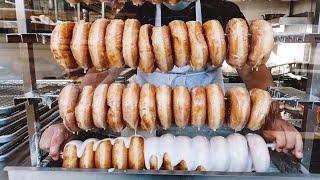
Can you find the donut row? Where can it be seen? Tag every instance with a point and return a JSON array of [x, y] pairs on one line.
[[135, 2], [114, 43], [116, 105], [235, 153]]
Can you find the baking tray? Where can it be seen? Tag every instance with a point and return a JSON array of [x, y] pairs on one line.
[[12, 131], [9, 118], [10, 148]]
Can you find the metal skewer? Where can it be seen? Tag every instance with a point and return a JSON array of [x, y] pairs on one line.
[[158, 15], [198, 11]]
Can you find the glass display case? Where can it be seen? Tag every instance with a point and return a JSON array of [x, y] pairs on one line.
[[31, 81]]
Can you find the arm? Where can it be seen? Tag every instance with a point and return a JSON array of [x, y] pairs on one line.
[[252, 78]]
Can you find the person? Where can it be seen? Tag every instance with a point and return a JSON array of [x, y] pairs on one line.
[[286, 137]]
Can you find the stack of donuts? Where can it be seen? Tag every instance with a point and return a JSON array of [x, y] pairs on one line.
[[108, 43], [235, 153], [115, 106]]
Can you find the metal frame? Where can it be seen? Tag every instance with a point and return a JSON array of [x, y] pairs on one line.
[[22, 173], [313, 88]]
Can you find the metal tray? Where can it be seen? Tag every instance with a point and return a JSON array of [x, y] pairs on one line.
[[11, 131], [10, 148], [49, 173], [7, 119]]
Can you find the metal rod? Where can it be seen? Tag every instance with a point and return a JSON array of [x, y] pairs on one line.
[[158, 15], [103, 9], [78, 12], [56, 10], [21, 17], [198, 11], [33, 131]]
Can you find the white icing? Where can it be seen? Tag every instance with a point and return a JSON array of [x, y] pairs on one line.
[[81, 145], [201, 148], [219, 154], [183, 147], [238, 151], [258, 152], [151, 149]]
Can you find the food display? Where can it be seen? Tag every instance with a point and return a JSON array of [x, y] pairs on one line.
[[161, 44], [60, 45], [130, 42], [115, 105], [79, 44], [116, 43], [198, 45], [168, 152], [97, 45], [113, 40], [238, 42], [180, 42]]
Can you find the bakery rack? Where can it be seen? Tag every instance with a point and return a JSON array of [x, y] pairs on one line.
[[46, 169]]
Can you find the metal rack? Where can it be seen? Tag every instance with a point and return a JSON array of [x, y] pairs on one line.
[[31, 97]]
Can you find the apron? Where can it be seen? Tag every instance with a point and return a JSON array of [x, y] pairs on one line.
[[183, 76]]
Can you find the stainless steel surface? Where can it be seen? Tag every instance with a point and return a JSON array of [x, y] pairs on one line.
[[309, 126], [22, 173], [299, 95], [12, 130], [21, 16]]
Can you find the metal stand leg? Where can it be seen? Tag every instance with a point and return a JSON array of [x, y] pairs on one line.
[[29, 84], [33, 131]]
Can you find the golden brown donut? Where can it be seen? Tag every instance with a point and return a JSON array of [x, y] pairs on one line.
[[198, 45], [67, 101], [153, 162], [97, 44], [130, 100], [119, 154], [113, 39], [136, 153], [83, 109], [238, 42], [181, 106], [130, 42], [79, 44], [100, 106], [216, 42], [198, 106], [114, 115], [138, 2], [147, 107], [261, 43], [70, 158], [260, 106], [164, 105], [60, 45], [238, 103], [87, 159], [201, 168], [146, 62], [183, 166], [215, 105], [161, 44], [181, 47], [103, 155], [167, 163]]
